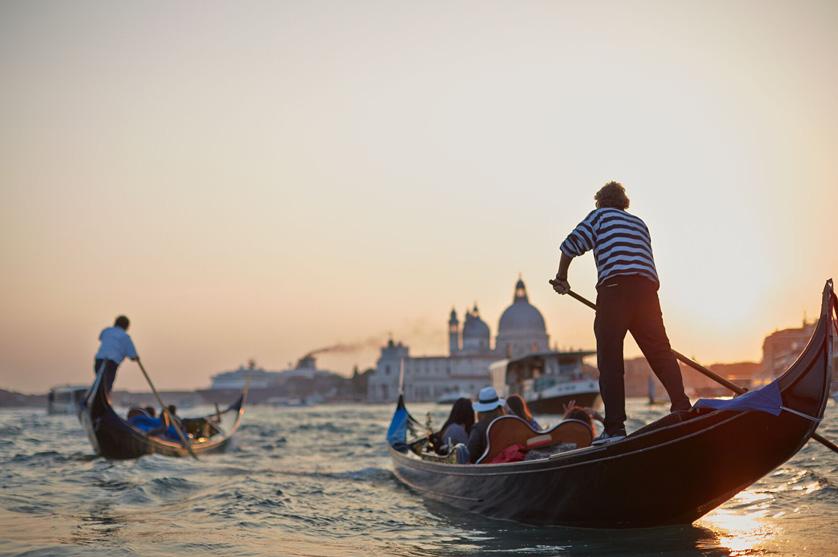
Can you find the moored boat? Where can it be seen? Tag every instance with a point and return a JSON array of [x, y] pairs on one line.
[[554, 398], [548, 381], [65, 399], [672, 471], [113, 437]]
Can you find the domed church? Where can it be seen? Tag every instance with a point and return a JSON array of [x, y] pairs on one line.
[[465, 370], [521, 329]]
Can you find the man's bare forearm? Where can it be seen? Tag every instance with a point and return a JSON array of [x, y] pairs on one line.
[[560, 284], [564, 265]]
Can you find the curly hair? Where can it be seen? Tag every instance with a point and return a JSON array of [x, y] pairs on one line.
[[612, 194]]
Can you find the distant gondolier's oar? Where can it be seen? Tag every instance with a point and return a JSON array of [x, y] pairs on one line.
[[183, 440], [715, 377]]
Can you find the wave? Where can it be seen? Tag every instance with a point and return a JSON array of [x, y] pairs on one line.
[[371, 474]]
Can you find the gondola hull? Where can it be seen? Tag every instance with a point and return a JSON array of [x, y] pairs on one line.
[[112, 437], [666, 473]]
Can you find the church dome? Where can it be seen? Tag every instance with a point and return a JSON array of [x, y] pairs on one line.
[[476, 334], [521, 316], [521, 329], [474, 326]]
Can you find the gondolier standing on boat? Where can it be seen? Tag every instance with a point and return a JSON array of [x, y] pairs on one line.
[[115, 345], [627, 301]]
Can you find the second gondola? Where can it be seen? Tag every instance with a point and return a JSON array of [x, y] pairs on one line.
[[114, 437]]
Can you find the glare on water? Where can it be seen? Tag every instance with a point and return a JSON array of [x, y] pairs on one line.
[[742, 531]]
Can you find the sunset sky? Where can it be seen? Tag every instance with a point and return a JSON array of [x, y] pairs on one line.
[[259, 179]]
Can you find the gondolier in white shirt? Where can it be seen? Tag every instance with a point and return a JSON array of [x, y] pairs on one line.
[[627, 301], [115, 345]]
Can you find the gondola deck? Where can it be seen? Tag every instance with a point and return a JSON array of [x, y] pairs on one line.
[[659, 475]]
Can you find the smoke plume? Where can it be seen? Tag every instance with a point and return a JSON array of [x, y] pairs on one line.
[[373, 342], [416, 332]]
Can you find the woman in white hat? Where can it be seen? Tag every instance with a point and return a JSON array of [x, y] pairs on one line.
[[488, 407]]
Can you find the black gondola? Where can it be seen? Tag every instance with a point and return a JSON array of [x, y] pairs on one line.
[[665, 473], [113, 437]]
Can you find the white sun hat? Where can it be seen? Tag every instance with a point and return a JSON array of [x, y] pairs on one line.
[[487, 400]]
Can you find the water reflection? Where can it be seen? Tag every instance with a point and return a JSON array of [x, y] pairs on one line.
[[741, 524]]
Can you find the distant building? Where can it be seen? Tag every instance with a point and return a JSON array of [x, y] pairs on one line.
[[744, 374], [306, 368], [638, 374], [236, 379], [781, 348], [303, 382], [641, 381], [521, 331]]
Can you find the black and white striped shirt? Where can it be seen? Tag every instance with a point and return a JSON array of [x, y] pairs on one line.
[[621, 244]]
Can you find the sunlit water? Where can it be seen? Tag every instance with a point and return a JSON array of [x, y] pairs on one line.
[[318, 481]]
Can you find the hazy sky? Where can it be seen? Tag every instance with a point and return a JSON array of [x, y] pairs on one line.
[[258, 179]]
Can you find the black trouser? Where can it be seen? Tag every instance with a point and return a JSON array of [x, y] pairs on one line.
[[110, 371], [630, 303]]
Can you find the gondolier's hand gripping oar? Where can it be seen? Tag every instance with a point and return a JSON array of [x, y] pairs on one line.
[[183, 440], [703, 370]]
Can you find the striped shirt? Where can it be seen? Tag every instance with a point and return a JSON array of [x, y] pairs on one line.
[[621, 244]]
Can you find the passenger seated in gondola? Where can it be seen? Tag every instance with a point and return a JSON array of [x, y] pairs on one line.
[[587, 415], [150, 411], [488, 407], [518, 406], [456, 428], [172, 423], [154, 427], [135, 411], [139, 418]]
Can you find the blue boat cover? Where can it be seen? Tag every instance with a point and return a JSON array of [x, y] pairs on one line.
[[766, 399], [149, 424], [145, 423], [397, 432]]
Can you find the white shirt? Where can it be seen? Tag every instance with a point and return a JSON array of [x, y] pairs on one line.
[[115, 345]]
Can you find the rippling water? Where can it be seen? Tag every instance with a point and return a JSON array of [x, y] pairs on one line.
[[318, 481]]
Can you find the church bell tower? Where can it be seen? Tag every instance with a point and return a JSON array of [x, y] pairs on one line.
[[453, 333]]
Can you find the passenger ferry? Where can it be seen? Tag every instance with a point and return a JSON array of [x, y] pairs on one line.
[[547, 380]]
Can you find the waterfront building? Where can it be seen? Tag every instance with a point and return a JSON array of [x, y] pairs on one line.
[[465, 369], [781, 348]]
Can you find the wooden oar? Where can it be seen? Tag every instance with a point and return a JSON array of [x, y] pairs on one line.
[[183, 440], [715, 377]]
